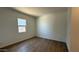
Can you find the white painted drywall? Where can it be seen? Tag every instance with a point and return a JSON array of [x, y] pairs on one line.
[[52, 26], [73, 41], [39, 11], [68, 42], [9, 29]]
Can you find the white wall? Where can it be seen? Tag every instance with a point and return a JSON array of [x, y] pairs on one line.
[[73, 39], [68, 39], [9, 30], [52, 26]]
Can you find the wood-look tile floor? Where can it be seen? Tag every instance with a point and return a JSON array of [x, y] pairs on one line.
[[38, 45]]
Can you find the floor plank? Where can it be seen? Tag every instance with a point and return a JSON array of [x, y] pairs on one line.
[[37, 45]]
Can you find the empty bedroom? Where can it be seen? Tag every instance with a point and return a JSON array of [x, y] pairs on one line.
[[34, 29]]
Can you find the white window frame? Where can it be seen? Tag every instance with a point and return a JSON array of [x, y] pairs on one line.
[[21, 25]]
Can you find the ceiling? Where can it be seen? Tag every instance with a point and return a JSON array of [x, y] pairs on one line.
[[39, 11]]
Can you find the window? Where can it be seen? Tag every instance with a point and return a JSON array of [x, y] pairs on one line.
[[21, 25]]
